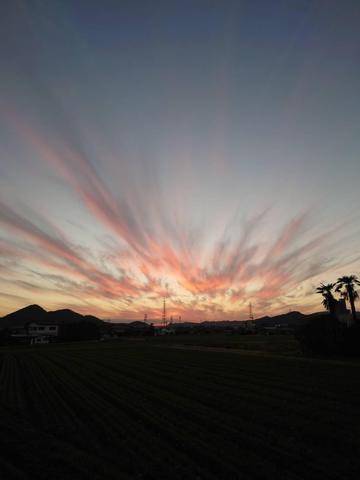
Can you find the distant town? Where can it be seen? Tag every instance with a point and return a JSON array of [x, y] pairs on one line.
[[34, 325]]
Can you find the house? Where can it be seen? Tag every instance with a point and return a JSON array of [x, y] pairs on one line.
[[19, 335], [132, 329], [139, 328], [168, 330], [118, 329], [249, 326], [35, 332], [42, 332]]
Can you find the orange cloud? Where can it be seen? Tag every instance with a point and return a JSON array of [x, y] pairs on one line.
[[158, 257]]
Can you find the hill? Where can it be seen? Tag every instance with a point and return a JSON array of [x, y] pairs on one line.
[[22, 316], [67, 316], [290, 319], [35, 313]]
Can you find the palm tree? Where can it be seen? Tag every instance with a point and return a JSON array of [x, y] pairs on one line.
[[329, 301], [346, 285]]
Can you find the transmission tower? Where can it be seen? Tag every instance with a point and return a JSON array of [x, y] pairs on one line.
[[164, 313], [251, 315]]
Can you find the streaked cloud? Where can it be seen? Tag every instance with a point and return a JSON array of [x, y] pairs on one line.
[[133, 166]]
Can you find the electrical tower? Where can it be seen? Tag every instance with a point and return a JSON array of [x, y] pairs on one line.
[[164, 313], [145, 318], [251, 315]]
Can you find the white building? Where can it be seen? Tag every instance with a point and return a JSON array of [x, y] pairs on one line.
[[39, 332]]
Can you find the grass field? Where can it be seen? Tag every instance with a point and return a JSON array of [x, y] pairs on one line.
[[281, 344], [136, 410]]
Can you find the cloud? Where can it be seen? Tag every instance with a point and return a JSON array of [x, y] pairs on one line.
[[155, 255], [56, 253]]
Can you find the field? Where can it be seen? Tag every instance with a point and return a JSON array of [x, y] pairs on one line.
[[134, 409], [280, 344]]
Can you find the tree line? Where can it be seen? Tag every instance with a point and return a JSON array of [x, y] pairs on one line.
[[327, 334], [346, 287]]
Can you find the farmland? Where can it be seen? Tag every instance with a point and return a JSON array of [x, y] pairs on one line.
[[140, 410], [279, 344]]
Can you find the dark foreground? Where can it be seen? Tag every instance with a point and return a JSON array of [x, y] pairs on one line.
[[136, 410]]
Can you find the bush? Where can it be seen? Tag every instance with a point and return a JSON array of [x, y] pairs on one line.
[[72, 332], [5, 337], [327, 336]]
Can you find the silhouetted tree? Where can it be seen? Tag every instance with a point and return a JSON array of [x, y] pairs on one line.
[[329, 301], [324, 335], [5, 336], [346, 286], [77, 331]]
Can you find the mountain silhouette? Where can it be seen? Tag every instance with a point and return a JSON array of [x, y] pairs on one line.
[[22, 316], [290, 319], [35, 313]]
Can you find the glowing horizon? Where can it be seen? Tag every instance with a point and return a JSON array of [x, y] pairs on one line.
[[123, 181]]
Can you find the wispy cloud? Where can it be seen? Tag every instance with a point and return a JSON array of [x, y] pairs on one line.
[[154, 253], [233, 272]]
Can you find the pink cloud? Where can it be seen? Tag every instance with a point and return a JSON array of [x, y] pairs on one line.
[[160, 253]]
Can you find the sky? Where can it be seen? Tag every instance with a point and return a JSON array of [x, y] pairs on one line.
[[200, 150]]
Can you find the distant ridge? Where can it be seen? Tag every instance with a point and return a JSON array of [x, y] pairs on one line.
[[290, 319], [35, 313], [63, 316], [22, 316]]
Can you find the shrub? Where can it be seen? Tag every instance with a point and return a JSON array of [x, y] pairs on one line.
[[327, 336], [76, 331]]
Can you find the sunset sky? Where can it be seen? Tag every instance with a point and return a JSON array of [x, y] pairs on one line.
[[203, 150]]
